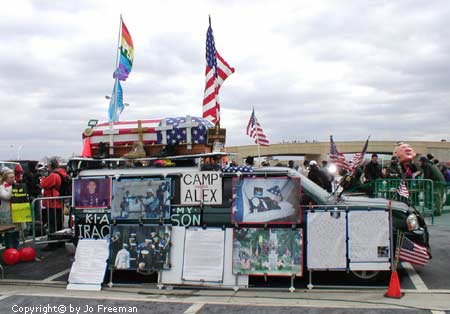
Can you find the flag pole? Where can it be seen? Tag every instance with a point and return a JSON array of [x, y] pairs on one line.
[[114, 95], [259, 152]]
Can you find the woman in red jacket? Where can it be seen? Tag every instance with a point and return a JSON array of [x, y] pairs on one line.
[[52, 214]]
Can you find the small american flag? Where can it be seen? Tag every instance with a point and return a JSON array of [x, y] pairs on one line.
[[217, 70], [255, 130], [338, 158], [403, 190], [359, 157], [413, 253]]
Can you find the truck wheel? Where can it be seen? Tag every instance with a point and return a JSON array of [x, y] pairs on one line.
[[366, 275]]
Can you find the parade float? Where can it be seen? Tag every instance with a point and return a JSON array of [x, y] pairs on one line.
[[159, 200]]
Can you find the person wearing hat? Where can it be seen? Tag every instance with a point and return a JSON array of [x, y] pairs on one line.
[[317, 176], [372, 171], [431, 172]]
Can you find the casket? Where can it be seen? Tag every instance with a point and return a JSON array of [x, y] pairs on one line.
[[184, 135]]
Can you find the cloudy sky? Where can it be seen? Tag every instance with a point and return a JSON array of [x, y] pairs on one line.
[[310, 68]]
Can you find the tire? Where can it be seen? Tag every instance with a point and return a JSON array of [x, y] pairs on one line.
[[366, 275]]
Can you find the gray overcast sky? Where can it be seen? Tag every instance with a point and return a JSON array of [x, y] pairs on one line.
[[310, 68]]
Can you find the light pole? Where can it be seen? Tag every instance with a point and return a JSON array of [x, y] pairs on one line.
[[18, 149]]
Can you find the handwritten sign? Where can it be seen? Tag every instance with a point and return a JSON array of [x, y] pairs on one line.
[[201, 187]]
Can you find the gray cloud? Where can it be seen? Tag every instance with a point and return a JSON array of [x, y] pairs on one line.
[[310, 69]]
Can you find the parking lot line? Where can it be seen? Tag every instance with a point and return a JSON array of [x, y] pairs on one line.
[[55, 276], [414, 276], [194, 308]]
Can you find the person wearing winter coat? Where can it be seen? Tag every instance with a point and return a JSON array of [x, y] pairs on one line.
[[8, 181], [52, 214]]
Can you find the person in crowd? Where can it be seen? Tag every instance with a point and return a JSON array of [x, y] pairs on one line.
[[431, 172], [291, 164], [326, 170], [31, 180], [305, 168], [393, 171], [446, 173], [318, 176], [8, 180], [372, 172], [90, 197], [52, 214], [249, 161], [18, 173]]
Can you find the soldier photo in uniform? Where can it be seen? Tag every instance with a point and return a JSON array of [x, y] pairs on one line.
[[144, 248], [91, 192]]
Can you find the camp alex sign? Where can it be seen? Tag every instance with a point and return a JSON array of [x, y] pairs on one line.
[[201, 187]]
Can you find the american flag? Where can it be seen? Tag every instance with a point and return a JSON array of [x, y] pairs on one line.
[[275, 190], [217, 70], [153, 131], [255, 130], [359, 157], [403, 190], [237, 169], [178, 134], [338, 158], [413, 253]]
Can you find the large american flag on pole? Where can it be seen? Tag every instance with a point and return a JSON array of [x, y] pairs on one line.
[[255, 130], [217, 70], [338, 158], [413, 253]]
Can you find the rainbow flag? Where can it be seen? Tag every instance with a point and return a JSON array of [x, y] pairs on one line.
[[126, 54]]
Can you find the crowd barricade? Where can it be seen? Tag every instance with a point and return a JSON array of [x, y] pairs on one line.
[[424, 194], [47, 222]]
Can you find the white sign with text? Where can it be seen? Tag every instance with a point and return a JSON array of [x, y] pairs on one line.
[[201, 187]]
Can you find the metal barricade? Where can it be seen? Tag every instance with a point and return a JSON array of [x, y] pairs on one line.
[[49, 219], [422, 194]]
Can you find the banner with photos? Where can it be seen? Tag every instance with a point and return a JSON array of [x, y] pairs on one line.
[[272, 251], [266, 200], [143, 198], [140, 247]]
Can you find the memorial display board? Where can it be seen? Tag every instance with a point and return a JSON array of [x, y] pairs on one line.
[[140, 247], [272, 251], [91, 192], [369, 245], [266, 200], [173, 276], [141, 198], [327, 240], [204, 255]]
